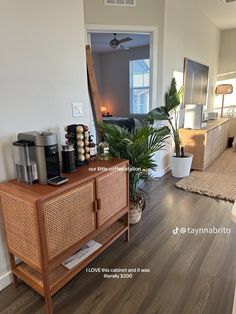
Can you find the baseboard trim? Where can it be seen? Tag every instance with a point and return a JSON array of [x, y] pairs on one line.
[[167, 169], [5, 280], [160, 172]]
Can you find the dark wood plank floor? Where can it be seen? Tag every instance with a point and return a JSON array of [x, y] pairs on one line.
[[189, 273]]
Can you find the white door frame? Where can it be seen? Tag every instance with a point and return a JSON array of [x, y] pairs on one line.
[[133, 29]]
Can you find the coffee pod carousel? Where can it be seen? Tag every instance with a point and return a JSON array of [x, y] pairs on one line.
[[78, 135]]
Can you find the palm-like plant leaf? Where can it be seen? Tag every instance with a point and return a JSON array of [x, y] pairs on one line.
[[172, 101], [137, 146], [159, 113]]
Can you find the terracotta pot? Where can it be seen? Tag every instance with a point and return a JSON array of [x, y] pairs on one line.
[[135, 212]]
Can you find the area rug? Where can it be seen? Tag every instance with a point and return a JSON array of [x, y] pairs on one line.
[[218, 180]]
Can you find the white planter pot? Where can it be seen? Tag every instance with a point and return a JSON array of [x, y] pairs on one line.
[[181, 165]]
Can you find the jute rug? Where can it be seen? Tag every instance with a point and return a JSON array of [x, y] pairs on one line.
[[218, 180]]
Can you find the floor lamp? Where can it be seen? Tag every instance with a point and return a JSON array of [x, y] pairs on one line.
[[223, 89]]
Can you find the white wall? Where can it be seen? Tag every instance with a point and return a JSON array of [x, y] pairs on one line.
[[146, 13], [227, 71], [189, 33], [42, 70], [113, 70], [183, 30], [227, 59]]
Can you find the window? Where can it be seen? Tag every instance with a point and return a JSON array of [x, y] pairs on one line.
[[230, 99], [139, 72], [131, 3]]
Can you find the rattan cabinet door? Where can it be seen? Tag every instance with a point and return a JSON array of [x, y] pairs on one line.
[[69, 218], [111, 194], [21, 226]]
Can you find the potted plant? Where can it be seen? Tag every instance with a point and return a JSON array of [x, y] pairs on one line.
[[138, 146], [181, 161]]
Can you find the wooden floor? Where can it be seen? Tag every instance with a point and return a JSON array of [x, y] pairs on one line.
[[188, 273]]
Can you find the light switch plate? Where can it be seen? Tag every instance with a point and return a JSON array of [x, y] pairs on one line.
[[77, 109]]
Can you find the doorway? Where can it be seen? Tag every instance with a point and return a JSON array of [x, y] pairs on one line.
[[125, 68]]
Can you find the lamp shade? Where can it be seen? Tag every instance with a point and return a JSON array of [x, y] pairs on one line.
[[103, 108], [224, 89]]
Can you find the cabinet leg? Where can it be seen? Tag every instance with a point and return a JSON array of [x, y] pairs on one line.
[[47, 294], [15, 281], [127, 236], [13, 266], [48, 305]]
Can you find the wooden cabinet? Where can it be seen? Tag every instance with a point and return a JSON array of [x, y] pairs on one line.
[[206, 144], [45, 225], [111, 199], [69, 217], [208, 148]]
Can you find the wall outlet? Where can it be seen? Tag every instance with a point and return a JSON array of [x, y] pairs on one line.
[[77, 109]]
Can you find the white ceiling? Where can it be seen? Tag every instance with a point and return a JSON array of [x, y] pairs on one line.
[[100, 42], [220, 13]]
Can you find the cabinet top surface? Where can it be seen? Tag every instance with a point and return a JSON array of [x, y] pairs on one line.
[[211, 124], [81, 175]]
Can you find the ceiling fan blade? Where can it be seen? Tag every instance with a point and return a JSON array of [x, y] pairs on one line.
[[124, 40]]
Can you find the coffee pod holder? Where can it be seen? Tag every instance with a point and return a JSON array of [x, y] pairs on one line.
[[78, 135]]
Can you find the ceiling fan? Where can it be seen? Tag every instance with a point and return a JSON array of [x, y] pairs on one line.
[[116, 43]]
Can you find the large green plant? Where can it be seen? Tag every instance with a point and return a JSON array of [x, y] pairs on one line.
[[169, 113], [138, 146]]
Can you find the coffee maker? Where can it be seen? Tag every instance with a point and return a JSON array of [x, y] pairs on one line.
[[45, 153]]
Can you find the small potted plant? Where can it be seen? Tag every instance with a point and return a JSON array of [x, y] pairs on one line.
[[139, 147], [181, 161]]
